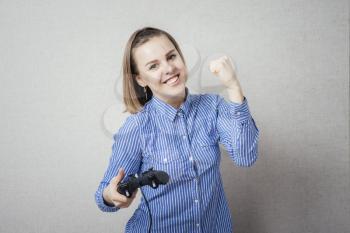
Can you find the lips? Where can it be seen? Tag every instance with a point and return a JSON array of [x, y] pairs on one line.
[[177, 75]]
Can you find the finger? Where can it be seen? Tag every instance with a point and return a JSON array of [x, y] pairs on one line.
[[121, 204], [127, 205], [119, 198], [219, 66], [226, 61], [130, 200], [215, 66], [229, 60], [134, 195], [212, 67], [119, 177], [118, 204]]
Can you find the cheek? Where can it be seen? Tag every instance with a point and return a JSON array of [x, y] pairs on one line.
[[181, 66], [154, 78]]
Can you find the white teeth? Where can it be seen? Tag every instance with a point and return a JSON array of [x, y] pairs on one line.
[[172, 80]]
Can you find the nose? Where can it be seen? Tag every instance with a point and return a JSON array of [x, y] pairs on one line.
[[169, 68]]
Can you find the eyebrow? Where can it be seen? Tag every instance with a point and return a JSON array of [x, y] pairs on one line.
[[165, 55]]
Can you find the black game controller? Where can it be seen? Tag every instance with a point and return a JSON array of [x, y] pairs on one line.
[[151, 177]]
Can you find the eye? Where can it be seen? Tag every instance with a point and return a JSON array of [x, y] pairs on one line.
[[172, 56], [152, 67]]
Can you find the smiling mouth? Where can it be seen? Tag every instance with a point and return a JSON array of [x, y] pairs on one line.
[[172, 80]]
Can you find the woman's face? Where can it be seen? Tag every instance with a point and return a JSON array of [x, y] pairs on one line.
[[161, 69]]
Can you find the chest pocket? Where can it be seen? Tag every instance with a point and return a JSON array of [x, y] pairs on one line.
[[206, 150], [170, 161]]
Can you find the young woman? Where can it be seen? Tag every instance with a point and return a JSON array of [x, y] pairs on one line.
[[175, 131]]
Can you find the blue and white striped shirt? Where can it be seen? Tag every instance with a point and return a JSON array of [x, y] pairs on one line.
[[184, 143]]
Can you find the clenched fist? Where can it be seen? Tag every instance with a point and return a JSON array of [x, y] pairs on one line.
[[225, 70]]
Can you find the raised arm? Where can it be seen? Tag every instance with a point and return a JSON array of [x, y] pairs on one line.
[[236, 127], [237, 131]]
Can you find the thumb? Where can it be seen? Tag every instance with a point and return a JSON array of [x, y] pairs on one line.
[[215, 67], [119, 177], [212, 67]]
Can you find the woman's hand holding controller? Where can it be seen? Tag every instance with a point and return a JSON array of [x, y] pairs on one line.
[[112, 197]]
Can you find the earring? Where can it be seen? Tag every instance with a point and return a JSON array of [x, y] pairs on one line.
[[145, 91]]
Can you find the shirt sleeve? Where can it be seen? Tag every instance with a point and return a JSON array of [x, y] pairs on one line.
[[237, 131], [126, 153]]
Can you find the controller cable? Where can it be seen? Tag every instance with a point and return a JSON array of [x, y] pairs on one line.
[[149, 212], [151, 178]]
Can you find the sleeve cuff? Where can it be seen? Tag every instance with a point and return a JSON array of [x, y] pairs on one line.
[[102, 205], [239, 111]]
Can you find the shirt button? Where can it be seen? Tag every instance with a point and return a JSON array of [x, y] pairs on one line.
[[238, 113], [191, 158], [165, 160], [196, 201], [197, 224], [184, 136]]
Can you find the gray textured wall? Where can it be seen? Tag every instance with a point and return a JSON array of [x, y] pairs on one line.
[[60, 100]]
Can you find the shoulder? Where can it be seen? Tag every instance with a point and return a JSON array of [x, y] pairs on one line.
[[209, 99], [136, 120], [130, 124]]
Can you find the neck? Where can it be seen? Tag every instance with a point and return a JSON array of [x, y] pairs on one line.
[[177, 101]]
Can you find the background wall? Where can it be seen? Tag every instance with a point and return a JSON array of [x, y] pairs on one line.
[[60, 102]]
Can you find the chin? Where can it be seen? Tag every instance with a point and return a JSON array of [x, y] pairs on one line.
[[175, 91]]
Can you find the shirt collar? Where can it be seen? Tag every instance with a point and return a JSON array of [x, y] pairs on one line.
[[169, 111]]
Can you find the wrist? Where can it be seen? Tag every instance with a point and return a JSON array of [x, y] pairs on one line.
[[235, 94], [233, 84], [105, 198]]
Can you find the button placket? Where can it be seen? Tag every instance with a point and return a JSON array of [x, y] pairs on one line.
[[196, 200], [191, 159], [183, 131]]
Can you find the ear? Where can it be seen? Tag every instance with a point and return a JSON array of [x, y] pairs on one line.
[[140, 81]]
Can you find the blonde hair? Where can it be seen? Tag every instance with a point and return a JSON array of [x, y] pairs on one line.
[[133, 94]]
